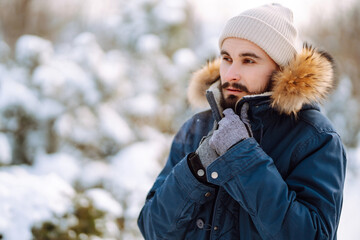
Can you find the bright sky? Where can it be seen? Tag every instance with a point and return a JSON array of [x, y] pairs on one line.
[[217, 12]]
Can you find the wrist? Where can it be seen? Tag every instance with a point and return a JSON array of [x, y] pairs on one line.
[[197, 169]]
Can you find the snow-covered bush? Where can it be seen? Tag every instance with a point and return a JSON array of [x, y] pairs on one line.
[[27, 198], [85, 124], [95, 215]]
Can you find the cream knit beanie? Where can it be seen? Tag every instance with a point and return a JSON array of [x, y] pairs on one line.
[[270, 27]]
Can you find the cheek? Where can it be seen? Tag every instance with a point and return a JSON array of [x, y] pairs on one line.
[[257, 81], [222, 71]]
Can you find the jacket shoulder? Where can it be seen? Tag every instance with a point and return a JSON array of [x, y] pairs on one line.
[[205, 117], [193, 130], [200, 123], [317, 120]]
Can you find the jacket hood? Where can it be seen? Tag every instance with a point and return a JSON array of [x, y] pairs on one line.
[[307, 79]]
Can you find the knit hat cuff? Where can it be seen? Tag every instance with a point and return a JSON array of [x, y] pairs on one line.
[[262, 34]]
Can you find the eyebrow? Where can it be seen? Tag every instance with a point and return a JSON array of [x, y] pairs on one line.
[[246, 54]]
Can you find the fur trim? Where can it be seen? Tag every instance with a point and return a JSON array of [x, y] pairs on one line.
[[307, 79], [201, 81]]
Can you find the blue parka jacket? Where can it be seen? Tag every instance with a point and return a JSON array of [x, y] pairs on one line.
[[286, 182]]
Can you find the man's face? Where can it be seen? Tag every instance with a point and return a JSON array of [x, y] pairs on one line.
[[245, 69]]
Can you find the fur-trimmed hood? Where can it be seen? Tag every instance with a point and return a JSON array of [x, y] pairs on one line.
[[307, 79]]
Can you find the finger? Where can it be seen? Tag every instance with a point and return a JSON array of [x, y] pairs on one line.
[[232, 116], [228, 112], [211, 142], [226, 122]]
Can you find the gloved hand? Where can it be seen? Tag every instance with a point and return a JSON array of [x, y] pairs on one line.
[[231, 130], [206, 154]]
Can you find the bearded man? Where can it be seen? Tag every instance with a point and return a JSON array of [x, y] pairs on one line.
[[273, 167]]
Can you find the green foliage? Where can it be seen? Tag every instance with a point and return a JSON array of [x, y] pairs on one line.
[[87, 216], [50, 231], [84, 222]]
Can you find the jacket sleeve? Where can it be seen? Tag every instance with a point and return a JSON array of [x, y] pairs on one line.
[[304, 205], [175, 197]]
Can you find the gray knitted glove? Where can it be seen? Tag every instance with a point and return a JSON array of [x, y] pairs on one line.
[[206, 154], [231, 130]]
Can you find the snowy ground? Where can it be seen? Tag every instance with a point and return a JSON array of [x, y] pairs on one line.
[[350, 217], [30, 195]]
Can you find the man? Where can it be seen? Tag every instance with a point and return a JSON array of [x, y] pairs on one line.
[[273, 167]]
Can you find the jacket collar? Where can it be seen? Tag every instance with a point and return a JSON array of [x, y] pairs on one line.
[[306, 80], [263, 103]]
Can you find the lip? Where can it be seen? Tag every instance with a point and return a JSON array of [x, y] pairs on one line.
[[233, 90]]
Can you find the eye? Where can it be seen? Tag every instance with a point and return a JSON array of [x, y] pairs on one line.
[[226, 58], [248, 60]]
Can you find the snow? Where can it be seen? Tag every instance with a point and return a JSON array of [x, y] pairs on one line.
[[88, 127], [49, 109], [31, 50], [66, 81], [86, 51], [143, 105], [114, 127], [93, 174], [26, 198], [15, 95], [149, 43], [61, 164], [134, 168], [350, 216], [111, 71], [103, 201], [185, 58], [80, 127], [50, 80]]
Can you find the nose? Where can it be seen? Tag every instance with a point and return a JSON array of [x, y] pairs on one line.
[[233, 73]]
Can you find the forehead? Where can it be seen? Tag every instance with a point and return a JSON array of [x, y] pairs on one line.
[[238, 46]]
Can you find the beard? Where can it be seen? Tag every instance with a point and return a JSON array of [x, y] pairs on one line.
[[231, 100]]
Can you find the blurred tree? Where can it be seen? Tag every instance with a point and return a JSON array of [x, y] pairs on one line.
[[95, 93], [38, 17], [340, 36], [156, 40]]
